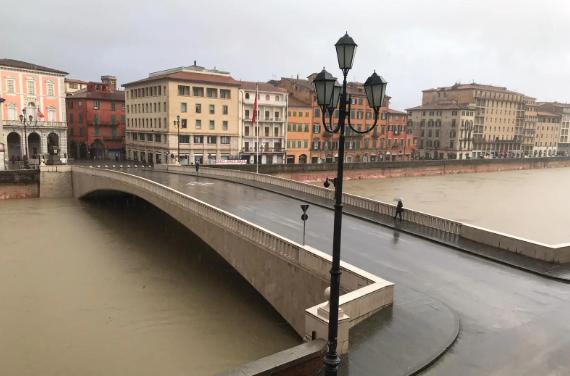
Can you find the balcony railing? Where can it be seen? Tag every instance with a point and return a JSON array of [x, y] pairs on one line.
[[45, 124], [263, 150]]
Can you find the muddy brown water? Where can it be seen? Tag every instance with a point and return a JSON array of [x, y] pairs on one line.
[[116, 287], [533, 204]]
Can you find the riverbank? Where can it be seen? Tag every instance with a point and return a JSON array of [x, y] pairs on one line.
[[19, 184]]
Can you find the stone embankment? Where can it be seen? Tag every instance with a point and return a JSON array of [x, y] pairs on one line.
[[376, 170]]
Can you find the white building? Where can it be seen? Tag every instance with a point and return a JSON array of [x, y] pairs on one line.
[[33, 114], [271, 123]]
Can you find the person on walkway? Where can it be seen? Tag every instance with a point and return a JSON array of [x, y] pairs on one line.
[[197, 166], [399, 210]]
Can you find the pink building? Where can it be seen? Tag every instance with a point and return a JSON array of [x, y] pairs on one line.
[[33, 113]]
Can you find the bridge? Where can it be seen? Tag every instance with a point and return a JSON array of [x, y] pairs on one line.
[[511, 321]]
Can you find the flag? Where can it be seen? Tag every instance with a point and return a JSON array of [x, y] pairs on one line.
[[254, 117], [40, 115]]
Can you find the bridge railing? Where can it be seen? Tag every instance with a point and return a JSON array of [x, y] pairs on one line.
[[446, 228], [358, 202], [363, 293]]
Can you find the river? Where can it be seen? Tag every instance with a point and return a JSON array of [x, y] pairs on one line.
[[526, 203], [116, 287]]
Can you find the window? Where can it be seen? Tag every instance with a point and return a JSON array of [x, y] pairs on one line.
[[225, 125], [316, 128], [225, 94], [183, 123], [96, 104], [82, 132], [247, 131], [198, 124], [183, 90], [113, 120], [80, 119], [31, 87], [277, 98], [276, 115], [10, 86], [198, 108], [198, 139], [157, 137], [266, 115], [267, 97], [211, 93], [212, 140], [198, 91], [224, 140], [212, 125], [247, 114], [183, 107], [317, 112], [184, 139], [95, 119], [225, 109], [212, 109], [246, 95], [96, 129], [50, 89]]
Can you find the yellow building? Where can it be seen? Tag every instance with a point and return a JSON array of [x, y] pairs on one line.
[[499, 116], [185, 114], [299, 125], [547, 134]]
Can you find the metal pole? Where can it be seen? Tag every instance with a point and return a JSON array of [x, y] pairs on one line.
[[26, 143], [178, 135], [331, 358], [304, 225]]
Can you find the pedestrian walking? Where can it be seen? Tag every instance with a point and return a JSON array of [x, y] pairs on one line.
[[197, 166], [399, 210]]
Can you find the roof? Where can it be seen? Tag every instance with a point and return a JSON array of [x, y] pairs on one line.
[[474, 86], [554, 104], [542, 113], [397, 112], [294, 102], [263, 86], [443, 105], [189, 76], [73, 80], [24, 65], [98, 94]]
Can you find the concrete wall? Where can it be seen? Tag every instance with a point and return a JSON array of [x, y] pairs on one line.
[[291, 277], [375, 170], [19, 184], [55, 181]]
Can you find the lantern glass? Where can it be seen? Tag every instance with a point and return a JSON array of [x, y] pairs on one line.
[[324, 86], [375, 89], [335, 96], [345, 50]]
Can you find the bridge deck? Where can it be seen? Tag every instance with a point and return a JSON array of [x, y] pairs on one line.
[[512, 321]]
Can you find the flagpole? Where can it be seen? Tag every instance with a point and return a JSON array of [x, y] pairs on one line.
[[256, 129]]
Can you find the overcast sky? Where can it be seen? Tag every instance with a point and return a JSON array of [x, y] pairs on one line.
[[414, 44]]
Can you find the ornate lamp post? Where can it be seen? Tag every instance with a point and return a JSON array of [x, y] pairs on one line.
[[177, 123], [329, 93], [24, 121]]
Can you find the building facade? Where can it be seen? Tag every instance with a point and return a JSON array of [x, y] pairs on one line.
[[33, 113], [96, 121], [389, 141], [299, 125], [73, 85], [547, 134], [443, 130], [498, 129], [271, 123], [562, 109], [183, 115]]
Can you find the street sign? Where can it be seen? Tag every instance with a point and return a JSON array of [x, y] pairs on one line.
[[304, 217]]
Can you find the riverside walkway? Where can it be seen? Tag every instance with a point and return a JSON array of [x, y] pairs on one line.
[[512, 321]]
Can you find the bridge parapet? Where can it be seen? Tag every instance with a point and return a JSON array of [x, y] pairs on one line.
[[291, 277]]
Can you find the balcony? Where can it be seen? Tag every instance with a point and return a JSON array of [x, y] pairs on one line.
[[34, 124], [275, 149]]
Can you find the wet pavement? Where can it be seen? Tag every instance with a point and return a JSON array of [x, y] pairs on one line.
[[512, 321]]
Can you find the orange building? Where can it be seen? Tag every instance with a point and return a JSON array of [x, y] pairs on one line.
[[390, 140], [299, 125]]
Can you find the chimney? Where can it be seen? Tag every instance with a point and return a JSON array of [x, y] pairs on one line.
[[110, 82]]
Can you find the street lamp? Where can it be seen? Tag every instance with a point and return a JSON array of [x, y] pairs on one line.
[[177, 123], [24, 121], [329, 93]]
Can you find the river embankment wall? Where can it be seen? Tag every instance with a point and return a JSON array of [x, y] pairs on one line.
[[19, 184], [378, 170]]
